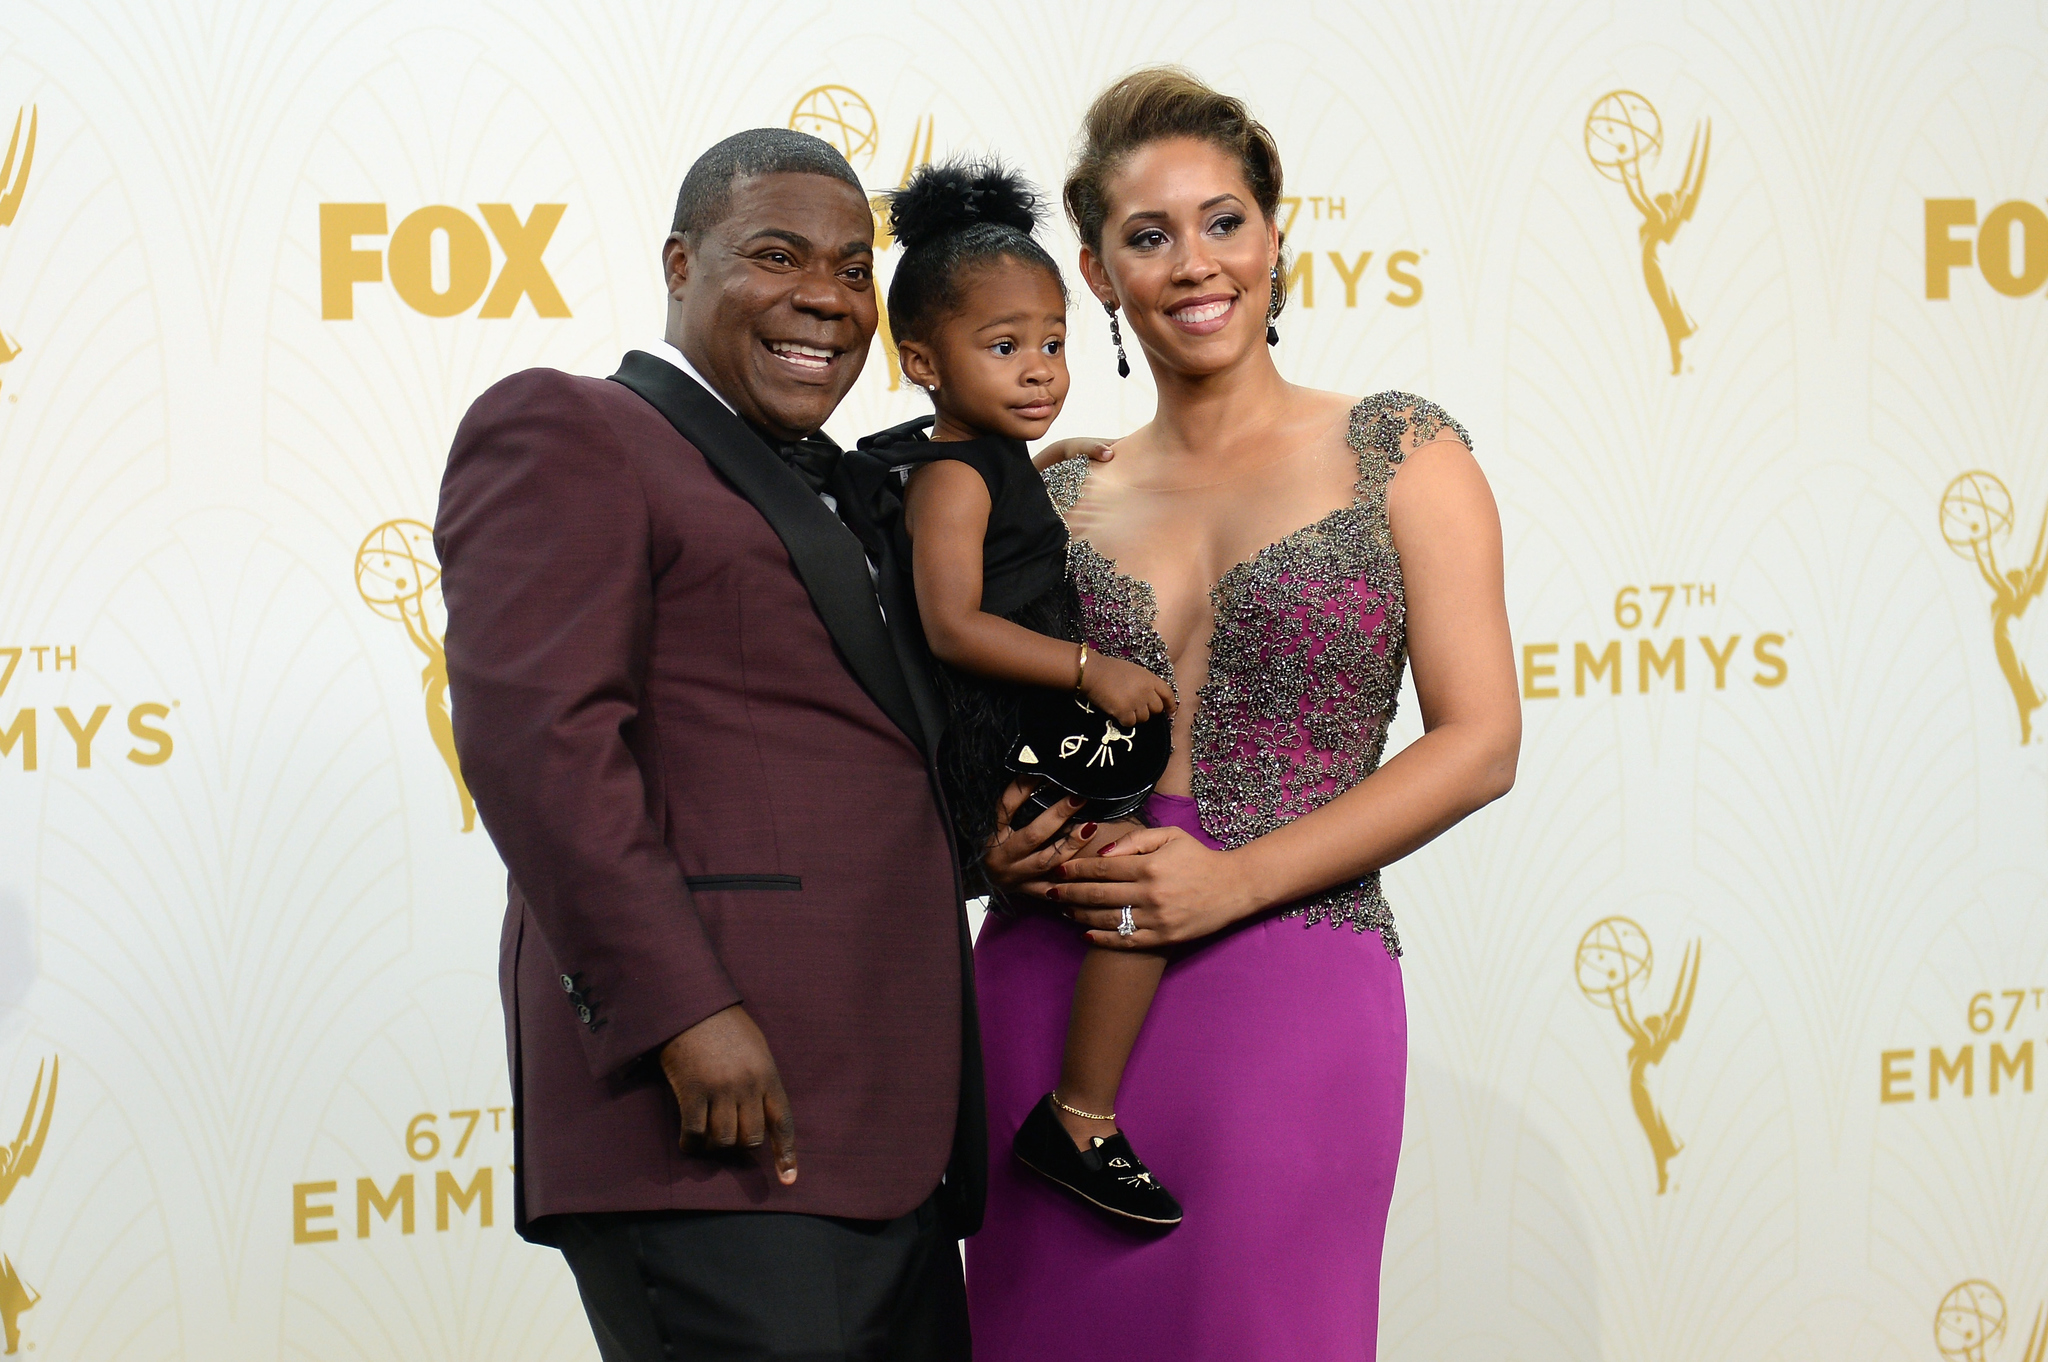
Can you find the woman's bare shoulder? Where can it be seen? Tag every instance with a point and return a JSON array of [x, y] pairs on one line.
[[1070, 478], [1323, 402], [1435, 485]]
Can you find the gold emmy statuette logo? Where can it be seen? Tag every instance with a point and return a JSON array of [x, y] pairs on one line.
[[17, 1161], [1614, 960], [840, 116], [397, 573], [1622, 132], [13, 184], [1970, 1322], [1976, 509]]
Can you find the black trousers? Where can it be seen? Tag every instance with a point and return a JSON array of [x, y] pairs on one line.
[[704, 1286]]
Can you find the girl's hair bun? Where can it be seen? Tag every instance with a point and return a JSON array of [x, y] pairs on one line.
[[943, 199], [951, 218]]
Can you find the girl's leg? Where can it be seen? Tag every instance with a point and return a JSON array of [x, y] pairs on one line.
[[1111, 998]]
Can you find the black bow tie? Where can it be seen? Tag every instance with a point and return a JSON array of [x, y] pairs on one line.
[[812, 458]]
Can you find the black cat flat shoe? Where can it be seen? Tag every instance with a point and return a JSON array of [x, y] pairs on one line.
[[1110, 1176]]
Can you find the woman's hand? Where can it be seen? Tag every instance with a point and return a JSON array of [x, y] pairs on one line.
[[1178, 890], [1077, 447]]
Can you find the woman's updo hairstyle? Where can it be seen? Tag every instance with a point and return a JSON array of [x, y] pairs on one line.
[[949, 218], [1149, 106]]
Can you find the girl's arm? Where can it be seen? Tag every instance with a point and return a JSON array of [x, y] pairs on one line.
[[1447, 532], [946, 509]]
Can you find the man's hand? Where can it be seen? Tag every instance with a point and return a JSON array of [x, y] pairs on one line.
[[1074, 447], [1017, 856], [1025, 860], [728, 1091]]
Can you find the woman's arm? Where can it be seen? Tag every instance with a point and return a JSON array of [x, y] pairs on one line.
[[1447, 531]]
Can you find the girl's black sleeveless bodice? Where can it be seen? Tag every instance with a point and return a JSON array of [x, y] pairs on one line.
[[1024, 554], [1023, 579]]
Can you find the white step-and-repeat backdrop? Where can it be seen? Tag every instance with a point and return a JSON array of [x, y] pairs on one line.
[[1730, 1024]]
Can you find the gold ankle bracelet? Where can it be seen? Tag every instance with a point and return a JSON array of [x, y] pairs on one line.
[[1084, 1115]]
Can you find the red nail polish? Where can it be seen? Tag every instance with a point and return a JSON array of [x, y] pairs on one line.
[[1106, 850], [1052, 892], [1087, 831]]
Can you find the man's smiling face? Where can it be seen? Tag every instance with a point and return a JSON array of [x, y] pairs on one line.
[[775, 303]]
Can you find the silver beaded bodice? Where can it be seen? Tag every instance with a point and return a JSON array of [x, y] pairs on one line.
[[1306, 659]]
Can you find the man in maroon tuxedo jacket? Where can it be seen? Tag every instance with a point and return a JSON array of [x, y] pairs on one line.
[[735, 963]]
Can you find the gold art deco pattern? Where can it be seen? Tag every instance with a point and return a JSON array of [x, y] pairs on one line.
[[1729, 1027]]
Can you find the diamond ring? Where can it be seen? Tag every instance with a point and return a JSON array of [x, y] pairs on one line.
[[1126, 923]]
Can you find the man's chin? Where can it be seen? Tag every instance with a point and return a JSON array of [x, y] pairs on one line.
[[794, 420], [799, 406]]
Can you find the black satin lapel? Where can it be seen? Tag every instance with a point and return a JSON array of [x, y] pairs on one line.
[[827, 557], [869, 504]]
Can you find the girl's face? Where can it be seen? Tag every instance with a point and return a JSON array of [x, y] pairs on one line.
[[999, 361], [1187, 254]]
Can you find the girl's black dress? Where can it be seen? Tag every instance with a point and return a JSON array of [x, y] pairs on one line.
[[1023, 579]]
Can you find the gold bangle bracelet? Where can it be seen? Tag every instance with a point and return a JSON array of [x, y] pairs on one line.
[[1084, 1115], [1081, 670]]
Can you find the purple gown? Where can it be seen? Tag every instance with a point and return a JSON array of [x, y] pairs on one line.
[[1266, 1088]]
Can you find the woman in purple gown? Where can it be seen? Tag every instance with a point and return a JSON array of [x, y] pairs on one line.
[[1279, 554]]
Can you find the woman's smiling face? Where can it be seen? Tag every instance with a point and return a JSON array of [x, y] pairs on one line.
[[1188, 254]]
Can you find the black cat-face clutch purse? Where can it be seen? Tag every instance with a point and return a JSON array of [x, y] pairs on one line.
[[1076, 749]]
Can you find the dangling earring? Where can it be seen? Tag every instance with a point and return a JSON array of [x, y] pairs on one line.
[[1273, 310], [1116, 338]]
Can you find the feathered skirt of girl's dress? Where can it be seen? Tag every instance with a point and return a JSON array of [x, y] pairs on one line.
[[981, 722]]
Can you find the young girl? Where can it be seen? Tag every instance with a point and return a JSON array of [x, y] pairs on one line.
[[979, 312]]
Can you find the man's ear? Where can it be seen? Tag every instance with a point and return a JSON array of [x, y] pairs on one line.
[[916, 359], [675, 262]]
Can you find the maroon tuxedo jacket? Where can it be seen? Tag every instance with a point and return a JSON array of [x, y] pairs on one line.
[[704, 760]]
